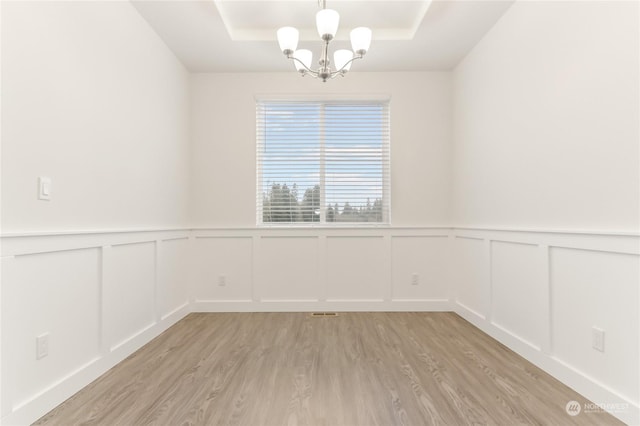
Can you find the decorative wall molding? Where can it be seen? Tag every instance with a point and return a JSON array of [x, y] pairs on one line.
[[567, 231], [32, 243], [540, 294], [513, 284], [320, 268], [82, 287]]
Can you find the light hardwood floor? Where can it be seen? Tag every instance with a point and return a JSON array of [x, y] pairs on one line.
[[355, 369]]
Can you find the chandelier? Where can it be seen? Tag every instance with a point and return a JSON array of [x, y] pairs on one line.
[[327, 23]]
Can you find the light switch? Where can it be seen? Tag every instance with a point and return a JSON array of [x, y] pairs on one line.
[[44, 188]]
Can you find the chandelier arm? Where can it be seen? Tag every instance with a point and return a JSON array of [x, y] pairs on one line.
[[306, 68], [341, 70], [327, 22]]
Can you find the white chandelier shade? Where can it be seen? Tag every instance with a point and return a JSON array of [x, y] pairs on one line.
[[288, 38], [327, 22], [342, 59], [360, 39], [303, 57]]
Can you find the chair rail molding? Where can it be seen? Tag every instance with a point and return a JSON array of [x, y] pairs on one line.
[[102, 294]]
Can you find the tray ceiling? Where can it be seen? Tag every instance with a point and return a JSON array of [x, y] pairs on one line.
[[240, 36]]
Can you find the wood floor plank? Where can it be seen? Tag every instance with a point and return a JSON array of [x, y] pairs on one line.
[[354, 369]]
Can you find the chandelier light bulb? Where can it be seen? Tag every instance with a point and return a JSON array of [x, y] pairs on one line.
[[327, 21], [288, 39], [361, 40]]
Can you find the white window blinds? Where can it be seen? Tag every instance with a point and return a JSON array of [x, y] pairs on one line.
[[322, 162]]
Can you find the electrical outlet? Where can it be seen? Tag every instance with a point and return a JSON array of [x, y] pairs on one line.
[[597, 337], [415, 279], [42, 346], [222, 280]]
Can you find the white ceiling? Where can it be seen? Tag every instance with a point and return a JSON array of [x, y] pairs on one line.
[[240, 35]]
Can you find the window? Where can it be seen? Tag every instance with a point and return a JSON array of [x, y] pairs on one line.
[[322, 162]]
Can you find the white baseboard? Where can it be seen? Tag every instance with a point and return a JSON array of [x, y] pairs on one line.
[[578, 381], [311, 306], [31, 410]]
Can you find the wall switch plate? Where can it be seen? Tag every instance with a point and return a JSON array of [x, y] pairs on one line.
[[415, 279], [597, 335], [44, 188], [42, 346], [222, 280]]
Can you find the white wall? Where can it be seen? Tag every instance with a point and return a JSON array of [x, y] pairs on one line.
[[546, 131], [93, 99], [316, 269], [546, 120], [224, 161], [544, 113]]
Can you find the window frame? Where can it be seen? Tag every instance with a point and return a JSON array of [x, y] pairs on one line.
[[386, 163]]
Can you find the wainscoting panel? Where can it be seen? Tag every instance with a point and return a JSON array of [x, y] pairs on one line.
[[597, 289], [128, 292], [425, 257], [545, 291], [50, 293], [358, 268], [288, 269], [470, 274], [223, 258], [519, 291], [98, 295], [102, 295], [174, 271], [316, 269]]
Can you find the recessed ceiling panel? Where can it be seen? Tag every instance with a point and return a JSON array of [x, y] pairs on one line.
[[258, 20], [240, 36]]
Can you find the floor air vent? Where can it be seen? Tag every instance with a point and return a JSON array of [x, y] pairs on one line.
[[324, 314]]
